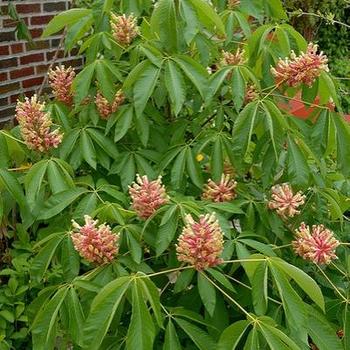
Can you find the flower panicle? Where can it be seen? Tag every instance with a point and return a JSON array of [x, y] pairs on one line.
[[233, 58], [35, 125], [318, 245], [147, 196], [201, 242], [285, 202], [61, 80], [96, 244], [223, 191], [124, 28], [305, 68], [104, 108]]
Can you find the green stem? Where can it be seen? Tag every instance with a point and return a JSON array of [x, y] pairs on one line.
[[332, 284], [230, 298]]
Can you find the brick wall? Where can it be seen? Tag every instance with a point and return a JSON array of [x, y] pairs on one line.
[[24, 66]]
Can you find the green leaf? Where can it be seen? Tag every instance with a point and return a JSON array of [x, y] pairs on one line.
[[151, 292], [141, 332], [293, 305], [259, 289], [63, 19], [238, 88], [42, 260], [207, 293], [243, 128], [87, 149], [104, 142], [177, 171], [68, 143], [163, 22], [232, 335], [305, 282], [183, 280], [58, 202], [102, 311], [7, 315], [217, 160], [216, 81], [298, 168], [195, 72], [222, 279], [171, 341], [105, 80], [33, 181], [202, 340], [193, 168], [12, 185], [76, 316], [277, 339], [123, 123], [43, 327], [82, 82], [175, 85], [166, 232], [343, 143], [208, 16], [56, 179], [144, 87], [321, 332]]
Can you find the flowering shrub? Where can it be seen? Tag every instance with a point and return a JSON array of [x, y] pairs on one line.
[[163, 200]]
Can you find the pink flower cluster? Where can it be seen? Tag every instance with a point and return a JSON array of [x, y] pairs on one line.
[[285, 202], [251, 94], [224, 191], [124, 28], [105, 109], [233, 58], [318, 246], [200, 243], [304, 68], [35, 125], [61, 80], [147, 196], [96, 244]]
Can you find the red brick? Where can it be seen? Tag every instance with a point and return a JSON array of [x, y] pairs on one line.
[[9, 23], [7, 36], [32, 82], [38, 45], [37, 20], [9, 87], [14, 98], [42, 69], [4, 102], [55, 42], [4, 50], [7, 113], [23, 72], [54, 6], [51, 55], [36, 33], [16, 48], [8, 62], [36, 57], [28, 8], [74, 63], [3, 76]]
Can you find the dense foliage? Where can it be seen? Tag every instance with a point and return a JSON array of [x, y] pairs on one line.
[[167, 197]]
